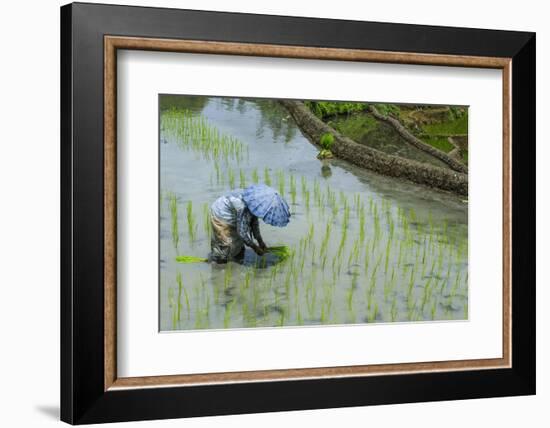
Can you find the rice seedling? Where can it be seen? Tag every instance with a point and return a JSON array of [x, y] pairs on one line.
[[242, 179], [411, 309], [323, 261], [445, 236], [412, 215], [255, 176], [191, 222], [372, 314], [425, 294], [267, 177], [342, 244], [368, 256], [231, 178], [423, 254], [351, 291], [345, 221], [247, 279], [356, 202], [389, 284], [173, 203], [307, 196], [317, 193], [343, 198], [433, 309], [454, 288], [372, 285], [400, 253], [311, 297], [228, 276], [376, 220], [303, 184], [387, 259], [292, 190], [206, 219], [170, 297], [174, 318], [181, 289], [219, 179], [178, 301], [299, 319], [362, 223], [281, 182], [327, 299], [411, 284], [227, 315], [392, 228], [331, 199], [323, 316], [393, 310], [281, 320]]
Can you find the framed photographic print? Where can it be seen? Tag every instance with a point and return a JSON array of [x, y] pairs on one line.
[[265, 213]]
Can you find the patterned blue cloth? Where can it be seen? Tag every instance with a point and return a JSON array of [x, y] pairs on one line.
[[266, 203]]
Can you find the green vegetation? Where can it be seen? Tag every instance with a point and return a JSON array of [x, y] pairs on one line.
[[388, 109], [327, 140], [191, 222], [192, 132], [267, 177], [457, 126], [433, 125], [437, 134], [255, 176], [242, 179], [173, 203], [441, 143], [190, 259], [323, 109], [292, 190], [283, 252], [281, 179]]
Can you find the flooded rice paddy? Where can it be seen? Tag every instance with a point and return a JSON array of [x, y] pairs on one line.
[[365, 248]]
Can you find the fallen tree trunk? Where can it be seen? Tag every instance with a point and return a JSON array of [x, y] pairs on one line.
[[375, 160], [413, 141]]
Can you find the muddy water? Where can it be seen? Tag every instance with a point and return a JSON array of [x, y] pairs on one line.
[[393, 252]]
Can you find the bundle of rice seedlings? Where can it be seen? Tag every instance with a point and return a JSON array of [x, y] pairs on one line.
[[190, 259], [282, 252]]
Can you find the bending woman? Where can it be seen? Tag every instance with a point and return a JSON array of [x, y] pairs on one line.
[[234, 220]]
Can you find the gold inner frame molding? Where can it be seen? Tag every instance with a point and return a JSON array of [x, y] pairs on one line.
[[113, 43]]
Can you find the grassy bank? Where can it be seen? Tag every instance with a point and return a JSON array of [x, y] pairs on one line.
[[433, 125]]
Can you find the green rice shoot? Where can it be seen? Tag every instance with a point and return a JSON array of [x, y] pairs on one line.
[[190, 259]]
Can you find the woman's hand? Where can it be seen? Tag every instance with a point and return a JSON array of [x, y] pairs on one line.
[[259, 250], [263, 246]]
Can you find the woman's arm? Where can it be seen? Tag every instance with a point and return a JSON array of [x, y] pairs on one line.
[[255, 224], [245, 230]]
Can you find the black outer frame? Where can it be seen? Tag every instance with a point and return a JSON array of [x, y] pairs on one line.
[[83, 399]]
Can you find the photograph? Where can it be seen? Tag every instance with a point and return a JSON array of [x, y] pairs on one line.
[[275, 214], [295, 213]]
